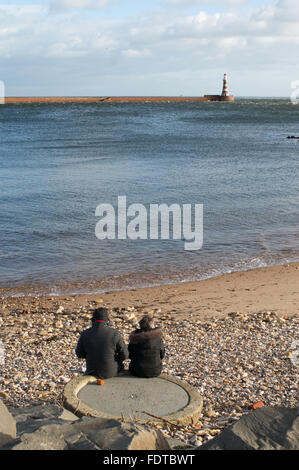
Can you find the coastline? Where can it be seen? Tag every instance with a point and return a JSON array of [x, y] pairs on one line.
[[273, 288]]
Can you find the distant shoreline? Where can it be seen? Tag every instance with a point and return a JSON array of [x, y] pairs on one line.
[[83, 99]]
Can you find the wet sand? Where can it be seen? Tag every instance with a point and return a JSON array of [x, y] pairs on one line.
[[264, 289]]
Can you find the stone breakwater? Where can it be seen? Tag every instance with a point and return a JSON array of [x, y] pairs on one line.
[[234, 362], [97, 99]]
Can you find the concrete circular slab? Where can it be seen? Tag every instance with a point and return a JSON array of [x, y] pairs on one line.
[[134, 398]]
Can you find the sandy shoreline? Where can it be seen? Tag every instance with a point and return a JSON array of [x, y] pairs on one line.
[[264, 289]]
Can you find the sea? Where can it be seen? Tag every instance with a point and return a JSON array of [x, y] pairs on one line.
[[59, 162]]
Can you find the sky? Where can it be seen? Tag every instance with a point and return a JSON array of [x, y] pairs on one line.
[[148, 47]]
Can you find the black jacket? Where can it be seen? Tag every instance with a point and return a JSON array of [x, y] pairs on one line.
[[146, 351], [104, 350]]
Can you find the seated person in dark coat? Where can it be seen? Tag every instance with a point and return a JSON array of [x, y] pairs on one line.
[[146, 349], [102, 346]]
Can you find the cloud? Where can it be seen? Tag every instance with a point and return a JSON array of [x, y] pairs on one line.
[[136, 53], [32, 31], [204, 3], [58, 5], [74, 47]]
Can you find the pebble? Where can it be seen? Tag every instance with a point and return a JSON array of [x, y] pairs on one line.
[[64, 379], [42, 333], [210, 413], [129, 316], [195, 440]]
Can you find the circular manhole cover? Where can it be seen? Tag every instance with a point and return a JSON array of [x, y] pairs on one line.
[[126, 396]]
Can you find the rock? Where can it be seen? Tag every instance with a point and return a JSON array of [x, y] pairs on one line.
[[7, 425], [129, 316], [198, 425], [128, 436], [209, 412], [42, 333], [177, 444], [195, 440], [30, 418], [64, 379], [68, 416], [42, 428], [267, 428], [256, 405]]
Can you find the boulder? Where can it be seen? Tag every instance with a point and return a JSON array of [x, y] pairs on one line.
[[7, 425], [267, 428], [44, 428], [30, 418]]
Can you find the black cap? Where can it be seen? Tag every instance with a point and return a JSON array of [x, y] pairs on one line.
[[100, 314]]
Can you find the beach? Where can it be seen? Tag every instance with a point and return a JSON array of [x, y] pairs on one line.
[[232, 337], [272, 288]]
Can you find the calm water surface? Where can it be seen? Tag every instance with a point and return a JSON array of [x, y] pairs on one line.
[[59, 161]]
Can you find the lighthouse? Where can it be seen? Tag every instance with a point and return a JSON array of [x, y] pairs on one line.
[[225, 86]]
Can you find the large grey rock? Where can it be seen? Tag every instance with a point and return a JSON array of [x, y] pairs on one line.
[[43, 429], [177, 444], [30, 418], [267, 428], [7, 425]]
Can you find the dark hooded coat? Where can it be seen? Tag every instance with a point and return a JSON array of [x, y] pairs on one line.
[[104, 350], [146, 351]]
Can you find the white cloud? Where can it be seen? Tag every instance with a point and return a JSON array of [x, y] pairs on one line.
[[202, 3], [136, 53], [167, 41], [30, 29], [232, 43], [74, 4]]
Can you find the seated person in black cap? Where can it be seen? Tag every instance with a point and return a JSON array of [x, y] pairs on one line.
[[102, 346], [146, 349]]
